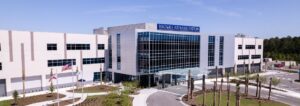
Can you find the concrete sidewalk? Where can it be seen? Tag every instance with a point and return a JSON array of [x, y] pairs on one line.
[[141, 98]]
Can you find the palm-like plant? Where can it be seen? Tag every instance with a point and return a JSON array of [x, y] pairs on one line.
[[15, 96], [51, 88]]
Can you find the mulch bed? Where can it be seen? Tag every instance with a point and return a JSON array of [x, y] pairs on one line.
[[92, 101], [65, 102], [95, 101], [36, 99]]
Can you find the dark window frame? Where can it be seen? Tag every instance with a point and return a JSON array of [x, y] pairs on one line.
[[240, 46], [61, 62], [51, 46], [0, 66], [243, 57], [101, 46], [250, 47], [78, 46], [259, 46], [93, 60], [255, 56]]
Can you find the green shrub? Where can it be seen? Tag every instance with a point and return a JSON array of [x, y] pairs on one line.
[[275, 81], [15, 96], [113, 99], [125, 100], [263, 79], [51, 88], [131, 84]]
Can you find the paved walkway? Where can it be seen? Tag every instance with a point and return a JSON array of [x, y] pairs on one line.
[[162, 98], [141, 98]]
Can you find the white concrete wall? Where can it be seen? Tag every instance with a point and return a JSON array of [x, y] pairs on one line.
[[39, 66], [248, 41], [128, 47], [228, 53]]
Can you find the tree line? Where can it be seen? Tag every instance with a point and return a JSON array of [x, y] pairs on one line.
[[285, 48]]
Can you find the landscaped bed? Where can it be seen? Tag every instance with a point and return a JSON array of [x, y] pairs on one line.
[[65, 102], [31, 99], [244, 101], [95, 89], [254, 84], [111, 99]]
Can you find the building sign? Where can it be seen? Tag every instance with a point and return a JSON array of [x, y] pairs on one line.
[[170, 27]]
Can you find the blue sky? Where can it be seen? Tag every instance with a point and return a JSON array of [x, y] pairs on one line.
[[262, 18]]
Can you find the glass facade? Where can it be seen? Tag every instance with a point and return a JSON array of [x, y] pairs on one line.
[[165, 51], [109, 53], [118, 52], [211, 50], [221, 50]]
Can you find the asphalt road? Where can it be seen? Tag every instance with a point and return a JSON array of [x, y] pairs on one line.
[[163, 99], [286, 80]]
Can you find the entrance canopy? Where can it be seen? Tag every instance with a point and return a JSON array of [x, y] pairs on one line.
[[196, 72]]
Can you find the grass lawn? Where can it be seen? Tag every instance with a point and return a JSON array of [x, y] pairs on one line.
[[31, 99], [111, 99], [95, 89], [243, 102], [5, 103]]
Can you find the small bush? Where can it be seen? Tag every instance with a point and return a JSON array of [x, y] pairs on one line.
[[125, 100], [275, 81], [51, 88], [15, 96], [263, 79], [131, 84], [111, 99]]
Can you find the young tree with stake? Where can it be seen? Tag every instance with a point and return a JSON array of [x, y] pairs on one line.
[[214, 91], [203, 89], [228, 90], [238, 94]]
